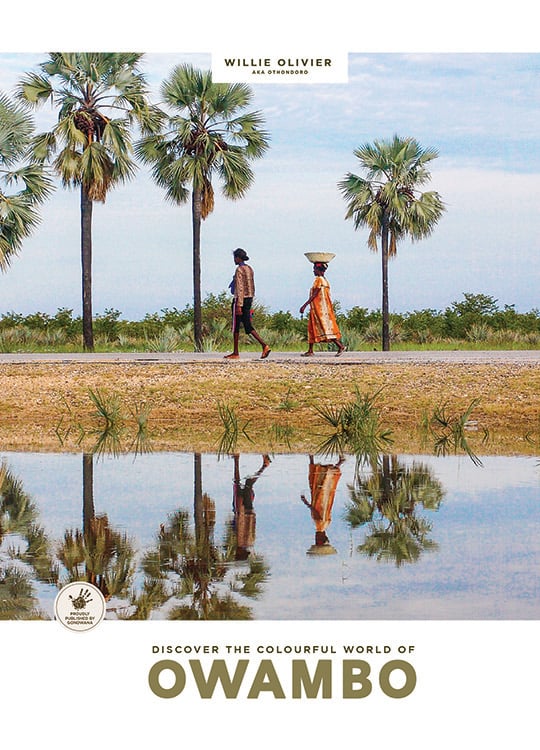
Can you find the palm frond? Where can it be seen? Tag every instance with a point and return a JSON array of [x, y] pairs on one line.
[[24, 181], [206, 133], [394, 170]]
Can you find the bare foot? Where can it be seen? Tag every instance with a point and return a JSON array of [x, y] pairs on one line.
[[307, 354], [265, 352], [232, 356]]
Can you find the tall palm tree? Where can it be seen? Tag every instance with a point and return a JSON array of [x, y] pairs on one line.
[[99, 96], [23, 183], [389, 203], [207, 134]]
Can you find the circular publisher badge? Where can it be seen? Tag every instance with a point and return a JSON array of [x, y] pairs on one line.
[[79, 606]]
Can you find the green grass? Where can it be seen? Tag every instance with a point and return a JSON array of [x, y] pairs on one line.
[[35, 344]]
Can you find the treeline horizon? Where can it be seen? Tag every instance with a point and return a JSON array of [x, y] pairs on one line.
[[475, 318]]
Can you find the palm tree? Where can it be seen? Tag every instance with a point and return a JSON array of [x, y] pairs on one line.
[[23, 183], [99, 96], [208, 133], [389, 203]]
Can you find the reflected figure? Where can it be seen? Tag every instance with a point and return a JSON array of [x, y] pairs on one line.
[[244, 515], [323, 481]]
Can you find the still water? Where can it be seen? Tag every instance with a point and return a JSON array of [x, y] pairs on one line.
[[296, 537]]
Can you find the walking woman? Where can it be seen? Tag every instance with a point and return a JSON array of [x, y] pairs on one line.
[[322, 324], [243, 289]]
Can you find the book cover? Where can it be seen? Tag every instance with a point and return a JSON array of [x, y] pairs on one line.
[[278, 548]]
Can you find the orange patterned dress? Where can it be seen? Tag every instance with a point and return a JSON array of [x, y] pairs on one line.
[[323, 481], [322, 324]]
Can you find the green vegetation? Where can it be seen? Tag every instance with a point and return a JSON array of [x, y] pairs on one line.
[[475, 322], [232, 429], [448, 431], [357, 428], [112, 421]]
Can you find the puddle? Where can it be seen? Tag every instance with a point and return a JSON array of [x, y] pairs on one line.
[[284, 536]]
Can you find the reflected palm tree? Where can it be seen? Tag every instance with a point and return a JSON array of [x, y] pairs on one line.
[[387, 500], [188, 566], [191, 570], [19, 517], [97, 553], [18, 600]]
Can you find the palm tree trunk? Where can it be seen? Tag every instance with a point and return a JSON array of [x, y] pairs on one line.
[[197, 500], [385, 309], [88, 491], [86, 263], [197, 309]]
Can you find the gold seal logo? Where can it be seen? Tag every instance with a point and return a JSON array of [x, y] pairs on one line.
[[79, 606]]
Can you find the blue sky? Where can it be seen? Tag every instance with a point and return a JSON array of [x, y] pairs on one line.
[[479, 110]]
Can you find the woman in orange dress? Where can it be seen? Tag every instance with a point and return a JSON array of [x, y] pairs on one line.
[[323, 481], [322, 324]]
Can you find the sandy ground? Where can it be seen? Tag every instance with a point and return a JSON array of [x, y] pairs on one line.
[[174, 401]]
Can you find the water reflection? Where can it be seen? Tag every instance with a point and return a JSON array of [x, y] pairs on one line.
[[323, 479], [159, 536], [97, 552], [28, 557], [189, 574], [387, 501], [243, 524]]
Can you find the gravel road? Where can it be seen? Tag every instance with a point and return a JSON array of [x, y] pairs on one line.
[[365, 358]]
